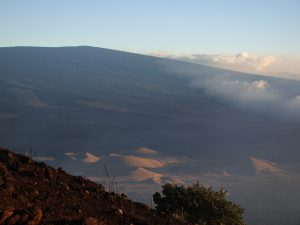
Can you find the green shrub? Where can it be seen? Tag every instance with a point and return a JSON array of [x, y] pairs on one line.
[[198, 204]]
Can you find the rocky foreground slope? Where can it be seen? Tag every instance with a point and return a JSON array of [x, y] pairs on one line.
[[33, 193]]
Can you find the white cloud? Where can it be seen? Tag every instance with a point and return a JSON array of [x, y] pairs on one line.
[[72, 155], [258, 90], [258, 85], [240, 91], [294, 104], [256, 93], [282, 66], [242, 61], [146, 151], [90, 158]]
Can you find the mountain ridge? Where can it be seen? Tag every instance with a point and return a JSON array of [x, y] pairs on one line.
[[154, 57]]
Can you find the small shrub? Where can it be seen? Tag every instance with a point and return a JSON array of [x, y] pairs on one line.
[[198, 204]]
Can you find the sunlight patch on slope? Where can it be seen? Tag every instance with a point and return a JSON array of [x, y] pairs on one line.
[[146, 151], [147, 162], [142, 174], [143, 162]]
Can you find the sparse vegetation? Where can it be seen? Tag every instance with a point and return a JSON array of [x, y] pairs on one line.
[[198, 204], [33, 193]]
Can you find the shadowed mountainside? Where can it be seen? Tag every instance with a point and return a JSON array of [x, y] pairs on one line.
[[210, 122], [83, 98]]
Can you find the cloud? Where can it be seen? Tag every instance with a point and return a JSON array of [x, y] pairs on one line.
[[72, 155], [258, 85], [90, 158], [246, 90], [264, 95], [263, 166], [142, 174], [295, 103], [281, 66], [242, 61], [146, 151]]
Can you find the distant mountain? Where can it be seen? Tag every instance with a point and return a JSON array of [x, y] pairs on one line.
[[55, 99], [201, 121]]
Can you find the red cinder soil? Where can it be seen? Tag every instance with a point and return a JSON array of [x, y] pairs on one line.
[[33, 193]]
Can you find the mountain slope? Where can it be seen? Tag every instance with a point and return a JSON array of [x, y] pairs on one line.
[[34, 191], [201, 121], [86, 98]]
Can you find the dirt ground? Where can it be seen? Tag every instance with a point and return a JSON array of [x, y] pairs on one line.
[[33, 193]]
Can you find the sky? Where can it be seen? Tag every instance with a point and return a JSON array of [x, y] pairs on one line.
[[211, 27]]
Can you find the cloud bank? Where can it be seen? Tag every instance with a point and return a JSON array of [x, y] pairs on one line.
[[280, 66], [280, 98]]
